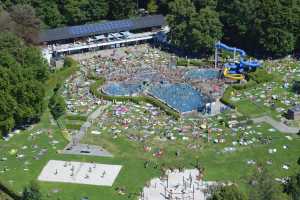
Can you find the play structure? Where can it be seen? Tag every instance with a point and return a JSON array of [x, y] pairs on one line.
[[235, 70]]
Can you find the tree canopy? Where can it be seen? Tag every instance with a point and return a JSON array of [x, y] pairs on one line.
[[32, 192], [262, 27], [293, 187], [22, 74], [194, 31], [264, 187], [228, 193]]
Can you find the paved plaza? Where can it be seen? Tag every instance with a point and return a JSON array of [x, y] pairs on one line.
[[80, 173]]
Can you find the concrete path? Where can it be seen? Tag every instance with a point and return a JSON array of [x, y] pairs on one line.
[[276, 124], [76, 148]]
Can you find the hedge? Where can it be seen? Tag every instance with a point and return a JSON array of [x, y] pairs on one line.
[[136, 99], [76, 117], [192, 62], [260, 75], [69, 62], [255, 78], [249, 84], [226, 97], [73, 126]]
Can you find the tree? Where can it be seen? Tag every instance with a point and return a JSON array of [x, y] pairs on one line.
[[264, 187], [49, 12], [6, 22], [22, 74], [292, 188], [228, 193], [181, 13], [206, 29], [27, 23], [75, 11], [199, 4], [121, 9], [152, 6], [268, 27], [32, 192], [97, 10], [57, 106], [296, 86], [193, 32]]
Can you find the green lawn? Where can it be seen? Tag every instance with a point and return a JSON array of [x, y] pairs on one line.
[[218, 166]]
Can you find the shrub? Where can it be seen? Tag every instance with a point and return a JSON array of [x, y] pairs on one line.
[[249, 84], [296, 87], [73, 126], [69, 62], [260, 75], [57, 106], [226, 97], [191, 62], [76, 117]]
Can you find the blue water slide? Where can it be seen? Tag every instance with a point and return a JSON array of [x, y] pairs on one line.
[[220, 45], [250, 64]]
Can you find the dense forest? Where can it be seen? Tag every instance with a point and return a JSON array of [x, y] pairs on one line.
[[263, 27], [22, 75]]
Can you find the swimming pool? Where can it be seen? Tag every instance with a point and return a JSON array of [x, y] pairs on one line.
[[122, 89], [204, 74], [180, 96]]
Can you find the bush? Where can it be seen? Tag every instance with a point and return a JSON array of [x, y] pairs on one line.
[[228, 193], [69, 62], [181, 62], [227, 94], [226, 97], [76, 117], [190, 62], [249, 84], [73, 126], [296, 87], [57, 106], [32, 192], [260, 75]]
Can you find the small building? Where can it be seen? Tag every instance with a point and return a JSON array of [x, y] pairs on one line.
[[294, 113]]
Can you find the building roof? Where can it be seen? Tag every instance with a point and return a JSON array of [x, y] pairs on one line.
[[86, 30]]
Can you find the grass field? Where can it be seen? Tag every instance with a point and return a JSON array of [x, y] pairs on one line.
[[218, 165]]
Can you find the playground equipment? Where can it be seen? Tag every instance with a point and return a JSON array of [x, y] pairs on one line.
[[236, 69]]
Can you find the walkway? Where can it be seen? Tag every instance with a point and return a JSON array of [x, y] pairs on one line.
[[75, 147], [276, 124]]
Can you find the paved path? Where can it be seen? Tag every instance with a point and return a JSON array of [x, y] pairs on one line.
[[75, 147], [276, 124]]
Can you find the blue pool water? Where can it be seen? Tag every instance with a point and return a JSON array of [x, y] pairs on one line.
[[122, 89], [204, 74], [182, 97]]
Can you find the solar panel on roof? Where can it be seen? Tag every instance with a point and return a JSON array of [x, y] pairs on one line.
[[101, 28]]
